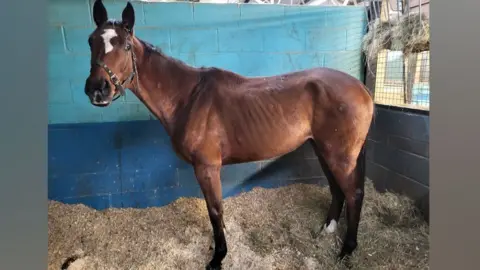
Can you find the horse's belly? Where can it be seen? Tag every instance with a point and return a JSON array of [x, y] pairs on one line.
[[267, 145]]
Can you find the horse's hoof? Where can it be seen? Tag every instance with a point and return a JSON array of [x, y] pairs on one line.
[[345, 259], [345, 253], [210, 267], [345, 256], [347, 249]]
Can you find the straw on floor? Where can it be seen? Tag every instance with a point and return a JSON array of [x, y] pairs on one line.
[[266, 229]]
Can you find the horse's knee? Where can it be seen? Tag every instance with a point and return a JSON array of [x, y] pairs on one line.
[[216, 210]]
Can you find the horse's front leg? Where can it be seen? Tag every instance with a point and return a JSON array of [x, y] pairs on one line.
[[208, 176]]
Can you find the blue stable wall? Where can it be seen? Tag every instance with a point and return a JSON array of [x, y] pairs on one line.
[[120, 156]]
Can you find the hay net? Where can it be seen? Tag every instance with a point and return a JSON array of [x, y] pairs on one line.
[[408, 33]]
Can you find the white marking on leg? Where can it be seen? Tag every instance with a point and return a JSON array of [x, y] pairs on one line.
[[107, 36], [332, 227]]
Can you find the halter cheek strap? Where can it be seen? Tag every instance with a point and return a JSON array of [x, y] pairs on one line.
[[120, 87]]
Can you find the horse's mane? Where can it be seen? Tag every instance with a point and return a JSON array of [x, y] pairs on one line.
[[152, 50]]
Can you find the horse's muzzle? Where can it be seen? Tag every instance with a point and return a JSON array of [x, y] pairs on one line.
[[98, 92]]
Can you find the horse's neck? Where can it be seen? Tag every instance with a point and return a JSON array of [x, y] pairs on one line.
[[165, 84]]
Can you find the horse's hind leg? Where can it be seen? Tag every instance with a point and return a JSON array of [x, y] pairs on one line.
[[338, 198], [347, 170], [354, 190]]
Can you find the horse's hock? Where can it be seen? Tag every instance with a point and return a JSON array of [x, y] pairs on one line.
[[122, 198]]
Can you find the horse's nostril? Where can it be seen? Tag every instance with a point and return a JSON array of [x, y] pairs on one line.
[[105, 87], [98, 98], [104, 84]]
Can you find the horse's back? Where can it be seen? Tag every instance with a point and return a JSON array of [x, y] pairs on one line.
[[263, 117]]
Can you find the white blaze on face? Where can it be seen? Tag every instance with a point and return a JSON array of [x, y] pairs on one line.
[[107, 36]]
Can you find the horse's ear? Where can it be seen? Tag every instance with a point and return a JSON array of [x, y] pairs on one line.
[[128, 17], [99, 13]]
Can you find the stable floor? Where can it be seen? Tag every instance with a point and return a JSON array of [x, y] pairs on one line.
[[266, 229]]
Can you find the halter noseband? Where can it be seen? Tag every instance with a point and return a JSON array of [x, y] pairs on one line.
[[120, 87]]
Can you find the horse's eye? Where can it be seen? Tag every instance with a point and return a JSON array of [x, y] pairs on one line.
[[128, 46]]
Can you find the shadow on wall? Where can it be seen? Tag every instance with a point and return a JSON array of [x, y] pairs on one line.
[[299, 166], [131, 164]]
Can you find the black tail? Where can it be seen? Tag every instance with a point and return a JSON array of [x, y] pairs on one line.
[[361, 163], [362, 157]]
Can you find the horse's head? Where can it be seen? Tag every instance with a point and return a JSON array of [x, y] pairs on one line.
[[112, 65]]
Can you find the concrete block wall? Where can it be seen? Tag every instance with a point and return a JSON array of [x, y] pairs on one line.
[[131, 164], [253, 40], [398, 154], [120, 156]]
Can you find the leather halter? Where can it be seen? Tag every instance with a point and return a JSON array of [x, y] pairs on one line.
[[120, 87]]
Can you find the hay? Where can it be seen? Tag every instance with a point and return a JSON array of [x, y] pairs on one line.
[[266, 229], [409, 34]]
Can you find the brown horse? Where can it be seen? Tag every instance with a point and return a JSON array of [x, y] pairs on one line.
[[215, 117]]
